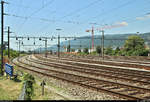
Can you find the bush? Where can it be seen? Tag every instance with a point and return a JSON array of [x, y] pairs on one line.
[[98, 50], [94, 53], [29, 80], [134, 46], [108, 51], [79, 51], [86, 50]]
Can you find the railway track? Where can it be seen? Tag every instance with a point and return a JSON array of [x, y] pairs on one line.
[[131, 59], [109, 68], [125, 63], [122, 90], [96, 73]]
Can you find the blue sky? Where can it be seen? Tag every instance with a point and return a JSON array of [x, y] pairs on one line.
[[74, 17]]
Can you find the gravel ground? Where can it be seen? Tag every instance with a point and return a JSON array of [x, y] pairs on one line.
[[96, 77], [131, 68], [82, 93], [78, 92]]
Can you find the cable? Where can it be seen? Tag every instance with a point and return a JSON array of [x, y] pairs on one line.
[[80, 9], [36, 12], [72, 13], [112, 10]]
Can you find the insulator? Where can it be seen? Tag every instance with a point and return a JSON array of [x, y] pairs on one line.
[[40, 39], [16, 38], [28, 39]]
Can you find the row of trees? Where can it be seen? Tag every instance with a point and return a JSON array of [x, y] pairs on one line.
[[13, 53], [134, 46]]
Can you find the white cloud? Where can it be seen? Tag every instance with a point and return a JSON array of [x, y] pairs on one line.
[[122, 23], [139, 18], [115, 25], [144, 17]]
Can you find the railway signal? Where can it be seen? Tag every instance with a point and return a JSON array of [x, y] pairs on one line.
[[43, 84], [34, 42], [102, 43], [19, 46], [45, 46], [58, 46], [58, 52], [92, 30]]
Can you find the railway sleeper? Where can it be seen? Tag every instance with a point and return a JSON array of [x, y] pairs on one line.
[[146, 97], [125, 89], [86, 82], [80, 81], [93, 84], [113, 88], [134, 93], [105, 85]]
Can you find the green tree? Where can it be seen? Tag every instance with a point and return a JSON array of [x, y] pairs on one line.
[[86, 50], [117, 51], [135, 46], [79, 50], [98, 49], [72, 50], [68, 48], [109, 51]]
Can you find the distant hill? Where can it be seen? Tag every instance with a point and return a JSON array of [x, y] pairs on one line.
[[113, 40]]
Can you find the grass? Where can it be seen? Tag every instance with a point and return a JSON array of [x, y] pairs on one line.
[[38, 90], [10, 89], [48, 95]]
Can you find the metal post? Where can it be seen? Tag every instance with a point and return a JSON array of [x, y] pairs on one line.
[[40, 50], [46, 48], [19, 47], [80, 45], [90, 46], [58, 45], [69, 46], [92, 39], [2, 25], [103, 44], [8, 43], [42, 89], [43, 84]]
